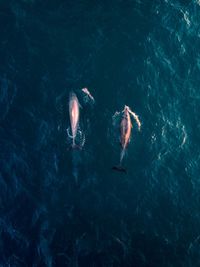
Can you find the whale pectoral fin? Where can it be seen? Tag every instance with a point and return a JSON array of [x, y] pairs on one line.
[[135, 116]]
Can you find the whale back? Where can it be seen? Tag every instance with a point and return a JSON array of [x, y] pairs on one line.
[[125, 127], [74, 113]]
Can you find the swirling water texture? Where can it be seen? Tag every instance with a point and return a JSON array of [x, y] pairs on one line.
[[141, 53]]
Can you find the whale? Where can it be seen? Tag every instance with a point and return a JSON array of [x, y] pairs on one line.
[[74, 114], [125, 133]]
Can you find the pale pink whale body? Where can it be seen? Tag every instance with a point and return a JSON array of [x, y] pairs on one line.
[[74, 116], [125, 128], [125, 132]]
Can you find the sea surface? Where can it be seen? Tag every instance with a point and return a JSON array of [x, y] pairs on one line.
[[65, 207]]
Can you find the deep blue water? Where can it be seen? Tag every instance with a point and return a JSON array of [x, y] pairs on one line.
[[60, 207]]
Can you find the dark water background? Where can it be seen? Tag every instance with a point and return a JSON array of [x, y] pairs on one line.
[[141, 53]]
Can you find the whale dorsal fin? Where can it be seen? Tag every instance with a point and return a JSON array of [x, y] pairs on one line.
[[135, 116]]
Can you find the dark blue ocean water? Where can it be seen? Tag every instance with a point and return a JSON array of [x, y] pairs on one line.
[[60, 207]]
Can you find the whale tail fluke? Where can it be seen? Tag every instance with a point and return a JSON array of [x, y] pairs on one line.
[[119, 168]]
